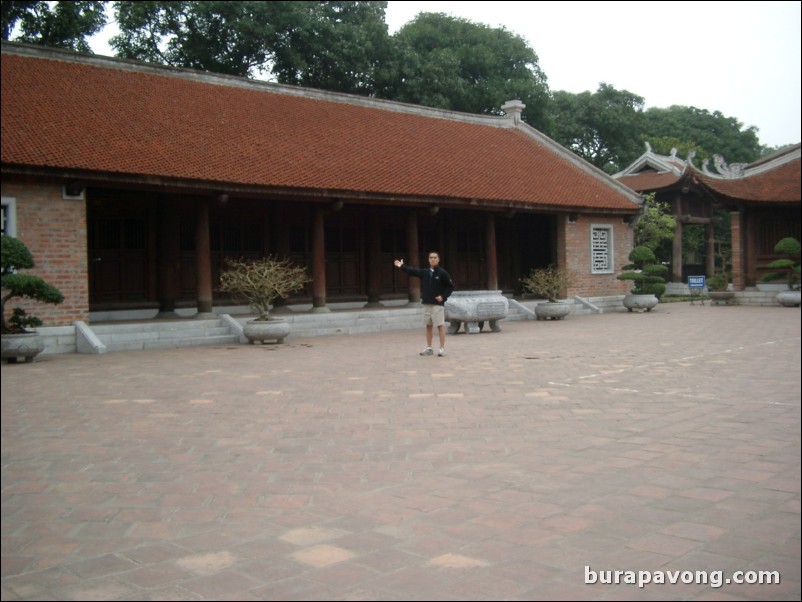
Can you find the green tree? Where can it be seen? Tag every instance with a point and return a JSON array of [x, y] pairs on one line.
[[645, 271], [16, 256], [656, 224], [768, 150], [338, 46], [601, 127], [693, 243], [223, 37], [452, 63], [705, 131], [56, 24], [663, 145]]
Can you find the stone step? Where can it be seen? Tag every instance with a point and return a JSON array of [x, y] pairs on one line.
[[167, 333], [188, 324], [163, 334]]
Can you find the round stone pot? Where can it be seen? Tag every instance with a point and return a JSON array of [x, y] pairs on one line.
[[720, 297], [274, 329], [26, 345], [552, 311], [640, 302], [788, 298]]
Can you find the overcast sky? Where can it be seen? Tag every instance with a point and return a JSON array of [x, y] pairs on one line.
[[739, 58]]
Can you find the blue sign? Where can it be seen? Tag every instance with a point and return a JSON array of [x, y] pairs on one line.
[[696, 281]]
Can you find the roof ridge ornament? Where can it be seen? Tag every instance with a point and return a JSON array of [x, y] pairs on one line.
[[513, 109], [736, 170]]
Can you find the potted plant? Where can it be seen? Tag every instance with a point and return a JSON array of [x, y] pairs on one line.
[[717, 286], [648, 283], [17, 340], [260, 282], [550, 283], [786, 268]]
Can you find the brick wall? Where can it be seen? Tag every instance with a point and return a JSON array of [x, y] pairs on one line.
[[54, 230], [577, 239]]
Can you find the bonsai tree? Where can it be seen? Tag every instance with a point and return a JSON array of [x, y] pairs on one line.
[[16, 256], [718, 282], [645, 272], [720, 279], [786, 268], [261, 281], [549, 282]]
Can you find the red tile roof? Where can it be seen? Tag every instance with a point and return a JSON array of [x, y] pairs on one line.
[[648, 181], [779, 184], [64, 111], [772, 179]]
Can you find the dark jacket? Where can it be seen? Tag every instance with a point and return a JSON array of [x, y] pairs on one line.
[[437, 284]]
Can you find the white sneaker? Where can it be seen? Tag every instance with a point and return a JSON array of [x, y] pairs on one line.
[[441, 353], [427, 351]]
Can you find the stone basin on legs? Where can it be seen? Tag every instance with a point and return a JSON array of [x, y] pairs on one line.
[[474, 308]]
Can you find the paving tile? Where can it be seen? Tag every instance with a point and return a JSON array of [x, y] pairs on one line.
[[349, 468]]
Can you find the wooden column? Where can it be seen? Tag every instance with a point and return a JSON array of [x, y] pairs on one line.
[[490, 251], [169, 259], [374, 267], [203, 255], [676, 248], [447, 243], [749, 248], [281, 238], [737, 235], [412, 254], [319, 263], [710, 250]]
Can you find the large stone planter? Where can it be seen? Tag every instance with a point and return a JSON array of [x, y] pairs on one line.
[[788, 298], [474, 308], [640, 302], [27, 346], [552, 311], [768, 287], [274, 329], [721, 297]]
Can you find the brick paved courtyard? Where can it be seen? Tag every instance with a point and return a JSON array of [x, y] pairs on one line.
[[350, 468]]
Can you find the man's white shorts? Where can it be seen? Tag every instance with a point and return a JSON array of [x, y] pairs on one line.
[[434, 315]]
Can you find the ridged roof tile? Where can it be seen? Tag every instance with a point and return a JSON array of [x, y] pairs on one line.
[[650, 180], [772, 179], [113, 117], [778, 185]]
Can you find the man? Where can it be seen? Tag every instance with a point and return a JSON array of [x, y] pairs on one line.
[[437, 287]]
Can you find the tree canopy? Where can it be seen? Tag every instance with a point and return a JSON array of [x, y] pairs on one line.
[[601, 127], [455, 64], [56, 24], [705, 131], [337, 46], [656, 224]]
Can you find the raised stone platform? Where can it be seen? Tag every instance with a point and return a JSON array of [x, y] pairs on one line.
[[474, 308]]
